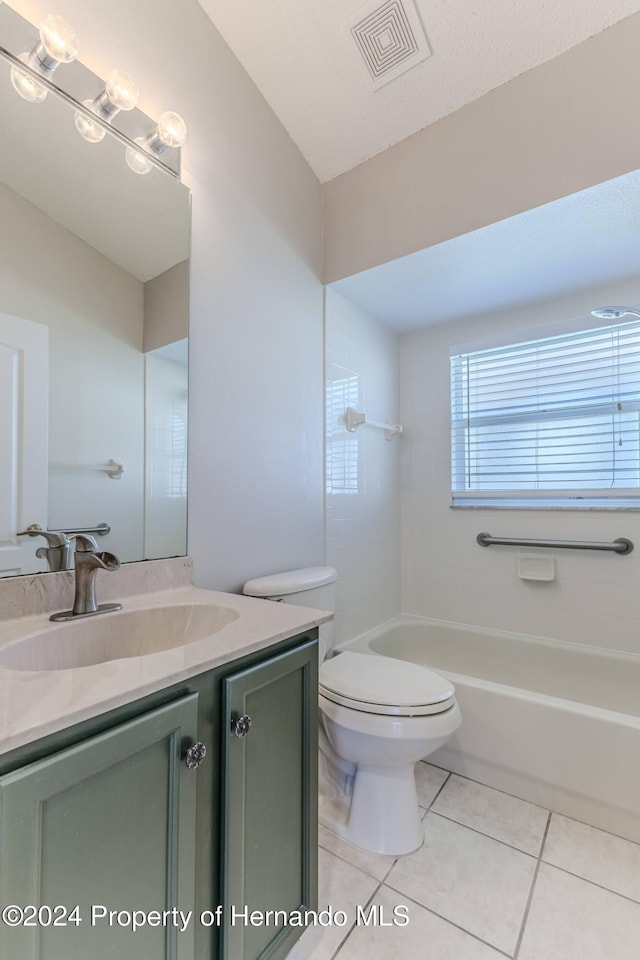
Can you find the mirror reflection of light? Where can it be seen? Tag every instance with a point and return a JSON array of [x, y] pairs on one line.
[[91, 131], [136, 158], [171, 131], [24, 84]]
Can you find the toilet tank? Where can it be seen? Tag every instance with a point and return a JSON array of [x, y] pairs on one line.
[[307, 587]]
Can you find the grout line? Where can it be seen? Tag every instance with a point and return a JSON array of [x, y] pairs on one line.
[[534, 881], [593, 883], [489, 836], [539, 858], [392, 866], [355, 866], [450, 922], [439, 790], [618, 836], [531, 803], [334, 955]]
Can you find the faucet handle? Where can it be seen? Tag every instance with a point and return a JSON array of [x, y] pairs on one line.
[[54, 538]]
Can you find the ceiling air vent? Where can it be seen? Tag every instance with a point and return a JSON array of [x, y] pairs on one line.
[[390, 38]]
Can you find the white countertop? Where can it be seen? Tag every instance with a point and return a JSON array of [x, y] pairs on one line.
[[34, 703]]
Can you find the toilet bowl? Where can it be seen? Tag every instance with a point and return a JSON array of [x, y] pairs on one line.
[[378, 717]]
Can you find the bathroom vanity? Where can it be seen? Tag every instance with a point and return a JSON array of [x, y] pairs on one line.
[[108, 804]]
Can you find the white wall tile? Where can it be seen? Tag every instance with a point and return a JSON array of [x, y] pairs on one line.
[[594, 598], [363, 527]]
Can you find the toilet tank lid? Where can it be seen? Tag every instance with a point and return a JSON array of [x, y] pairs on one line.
[[291, 581]]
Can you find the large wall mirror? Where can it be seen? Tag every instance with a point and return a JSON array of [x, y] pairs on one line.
[[94, 280]]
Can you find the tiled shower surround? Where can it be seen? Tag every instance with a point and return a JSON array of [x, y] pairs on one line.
[[445, 573], [363, 468]]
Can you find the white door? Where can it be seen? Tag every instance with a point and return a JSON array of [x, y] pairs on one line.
[[24, 429]]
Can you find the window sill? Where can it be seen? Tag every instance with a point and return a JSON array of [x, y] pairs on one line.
[[624, 507]]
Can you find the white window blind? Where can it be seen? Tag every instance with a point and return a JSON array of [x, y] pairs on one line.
[[553, 420]]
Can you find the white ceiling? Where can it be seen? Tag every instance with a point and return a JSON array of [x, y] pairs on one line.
[[302, 57], [587, 239]]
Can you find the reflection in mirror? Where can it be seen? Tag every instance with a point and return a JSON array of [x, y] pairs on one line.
[[94, 279]]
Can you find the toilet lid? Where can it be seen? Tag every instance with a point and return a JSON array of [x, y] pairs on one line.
[[384, 685]]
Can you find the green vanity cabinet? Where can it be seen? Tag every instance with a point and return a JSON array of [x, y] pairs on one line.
[[108, 814], [109, 822], [270, 802]]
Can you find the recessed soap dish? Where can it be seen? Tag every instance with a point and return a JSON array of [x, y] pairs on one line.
[[537, 568]]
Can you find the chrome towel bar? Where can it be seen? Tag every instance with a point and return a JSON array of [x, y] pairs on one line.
[[621, 545], [100, 530]]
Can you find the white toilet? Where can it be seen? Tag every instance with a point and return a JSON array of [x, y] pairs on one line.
[[378, 716]]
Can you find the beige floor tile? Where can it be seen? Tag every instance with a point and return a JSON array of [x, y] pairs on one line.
[[425, 936], [375, 864], [595, 855], [516, 822], [342, 887], [476, 882], [571, 919], [429, 779]]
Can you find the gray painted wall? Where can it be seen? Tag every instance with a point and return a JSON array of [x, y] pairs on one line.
[[553, 131]]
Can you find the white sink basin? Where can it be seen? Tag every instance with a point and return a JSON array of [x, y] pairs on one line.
[[113, 636]]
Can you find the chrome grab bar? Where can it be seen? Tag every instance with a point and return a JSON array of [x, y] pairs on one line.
[[621, 545]]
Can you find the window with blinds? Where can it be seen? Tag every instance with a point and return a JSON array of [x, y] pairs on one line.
[[549, 422]]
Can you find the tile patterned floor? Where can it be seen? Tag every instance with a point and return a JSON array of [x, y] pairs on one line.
[[497, 877]]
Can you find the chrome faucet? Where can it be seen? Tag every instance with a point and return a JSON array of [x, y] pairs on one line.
[[88, 561]]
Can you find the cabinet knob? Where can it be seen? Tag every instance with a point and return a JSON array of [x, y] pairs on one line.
[[195, 755], [241, 725]]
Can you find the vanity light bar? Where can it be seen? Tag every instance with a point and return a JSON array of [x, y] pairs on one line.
[[58, 43]]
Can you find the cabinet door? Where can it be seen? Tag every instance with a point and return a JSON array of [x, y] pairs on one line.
[[108, 822], [270, 801]]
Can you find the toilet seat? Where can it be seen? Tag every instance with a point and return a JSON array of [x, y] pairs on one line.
[[384, 686]]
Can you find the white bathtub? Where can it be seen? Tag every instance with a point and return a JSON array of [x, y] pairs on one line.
[[551, 722]]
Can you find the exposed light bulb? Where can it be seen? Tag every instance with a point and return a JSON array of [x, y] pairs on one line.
[[92, 131], [24, 84], [121, 90], [136, 159], [120, 93], [59, 40], [172, 130], [58, 44]]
